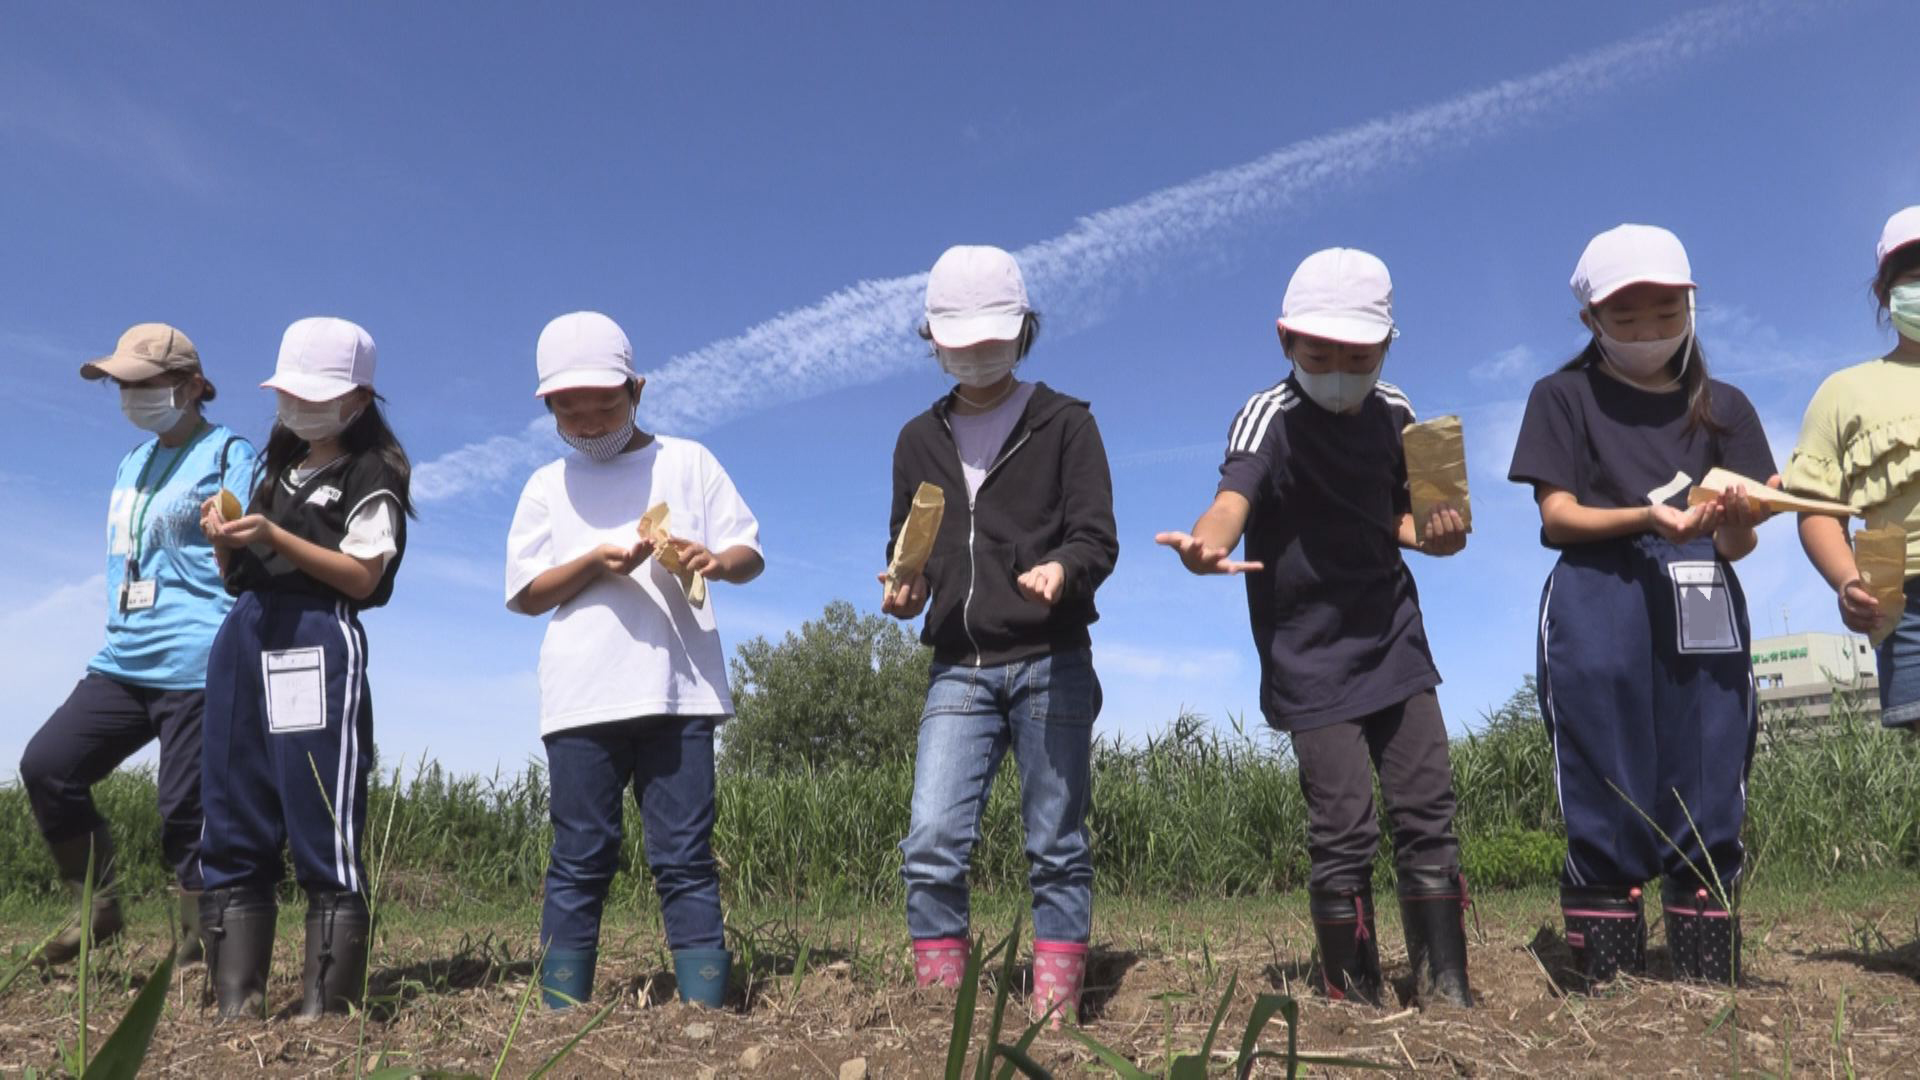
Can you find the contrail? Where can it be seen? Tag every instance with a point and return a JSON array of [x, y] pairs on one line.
[[862, 333]]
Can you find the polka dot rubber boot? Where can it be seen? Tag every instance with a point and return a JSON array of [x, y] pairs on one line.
[[939, 961], [1059, 971], [1702, 935], [1607, 931]]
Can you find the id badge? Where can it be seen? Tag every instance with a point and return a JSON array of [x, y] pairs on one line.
[[138, 595], [1703, 608]]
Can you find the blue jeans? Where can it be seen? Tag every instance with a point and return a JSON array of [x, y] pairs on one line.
[[668, 761], [1043, 709], [1899, 658]]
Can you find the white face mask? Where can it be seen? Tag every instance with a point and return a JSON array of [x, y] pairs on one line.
[[979, 365], [1337, 391], [152, 408], [1641, 360], [314, 420], [1903, 307]]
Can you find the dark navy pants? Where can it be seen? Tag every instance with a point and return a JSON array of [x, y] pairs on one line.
[[1646, 685], [668, 762], [102, 723], [288, 744]]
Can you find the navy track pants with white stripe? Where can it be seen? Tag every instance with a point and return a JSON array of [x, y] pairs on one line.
[[1626, 708], [287, 744]]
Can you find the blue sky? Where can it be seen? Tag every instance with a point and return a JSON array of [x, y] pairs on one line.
[[751, 191]]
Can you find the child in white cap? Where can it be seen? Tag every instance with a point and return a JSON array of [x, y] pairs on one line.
[[1315, 479], [1645, 675], [1027, 536], [633, 678], [289, 727], [1860, 445]]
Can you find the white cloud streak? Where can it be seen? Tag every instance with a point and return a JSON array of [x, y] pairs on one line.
[[861, 333]]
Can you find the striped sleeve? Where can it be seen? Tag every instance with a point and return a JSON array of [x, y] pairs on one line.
[[1398, 401], [1250, 455]]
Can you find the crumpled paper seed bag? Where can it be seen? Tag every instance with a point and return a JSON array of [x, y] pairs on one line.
[[655, 525], [1436, 453], [1881, 557], [917, 534]]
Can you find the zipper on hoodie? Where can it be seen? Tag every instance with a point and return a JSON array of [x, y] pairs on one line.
[[973, 566]]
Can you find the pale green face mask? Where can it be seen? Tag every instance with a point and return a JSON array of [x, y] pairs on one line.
[[1903, 304]]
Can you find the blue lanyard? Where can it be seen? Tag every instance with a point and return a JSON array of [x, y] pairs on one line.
[[141, 506]]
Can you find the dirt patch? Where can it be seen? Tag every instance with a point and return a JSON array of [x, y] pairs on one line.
[[1828, 991]]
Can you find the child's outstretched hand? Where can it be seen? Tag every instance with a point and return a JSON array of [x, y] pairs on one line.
[[1043, 583], [695, 557], [1202, 559], [1446, 532], [621, 561], [1680, 526], [905, 600]]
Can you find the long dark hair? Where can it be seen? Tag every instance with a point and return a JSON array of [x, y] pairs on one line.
[[368, 434], [1693, 378]]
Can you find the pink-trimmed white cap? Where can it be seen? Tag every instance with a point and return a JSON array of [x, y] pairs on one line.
[[582, 349], [975, 293], [1902, 229], [322, 359], [1630, 255], [1340, 294]]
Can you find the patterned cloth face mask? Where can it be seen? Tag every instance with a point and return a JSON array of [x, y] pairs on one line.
[[602, 448]]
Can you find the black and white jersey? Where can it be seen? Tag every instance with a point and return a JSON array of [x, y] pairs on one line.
[[1335, 614], [318, 508]]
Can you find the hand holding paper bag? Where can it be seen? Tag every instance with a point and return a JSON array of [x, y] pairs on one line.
[[913, 548], [1436, 471], [1880, 555]]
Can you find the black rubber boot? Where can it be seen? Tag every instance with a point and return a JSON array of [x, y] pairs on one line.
[[1607, 931], [73, 857], [191, 949], [1433, 908], [1349, 955], [1702, 935], [237, 925], [335, 975]]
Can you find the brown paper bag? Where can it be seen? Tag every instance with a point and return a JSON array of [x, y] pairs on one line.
[[230, 508], [1436, 470], [1719, 480], [655, 525], [1881, 557], [914, 546]]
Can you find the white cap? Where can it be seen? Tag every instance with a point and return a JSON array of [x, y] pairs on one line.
[[975, 293], [582, 349], [1630, 255], [322, 359], [1902, 229], [1340, 294]]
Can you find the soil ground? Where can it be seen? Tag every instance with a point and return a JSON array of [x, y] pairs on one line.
[[1833, 988]]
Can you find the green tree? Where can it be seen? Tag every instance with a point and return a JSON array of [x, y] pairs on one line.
[[847, 688]]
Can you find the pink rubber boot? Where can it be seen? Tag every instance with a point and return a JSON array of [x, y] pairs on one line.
[[939, 961], [1059, 971]]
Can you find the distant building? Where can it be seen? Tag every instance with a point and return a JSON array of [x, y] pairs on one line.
[[1798, 675]]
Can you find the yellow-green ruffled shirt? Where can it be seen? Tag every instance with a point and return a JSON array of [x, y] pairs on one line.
[[1860, 445]]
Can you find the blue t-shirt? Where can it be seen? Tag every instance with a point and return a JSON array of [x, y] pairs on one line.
[[165, 646]]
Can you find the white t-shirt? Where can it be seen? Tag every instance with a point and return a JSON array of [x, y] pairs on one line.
[[627, 647], [980, 436]]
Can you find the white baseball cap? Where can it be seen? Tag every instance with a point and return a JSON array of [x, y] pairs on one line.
[[975, 293], [1630, 255], [322, 359], [1340, 294], [1902, 229], [582, 349]]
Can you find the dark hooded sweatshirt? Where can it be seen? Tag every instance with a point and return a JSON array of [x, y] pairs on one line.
[[1047, 498]]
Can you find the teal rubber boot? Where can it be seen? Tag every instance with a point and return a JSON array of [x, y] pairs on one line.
[[566, 977], [702, 974]]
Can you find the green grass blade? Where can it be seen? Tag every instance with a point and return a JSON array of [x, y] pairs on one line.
[[1017, 1057], [963, 1007], [1264, 1008], [519, 1013], [1219, 1016], [126, 1047], [561, 1054], [1026, 1041], [983, 1069], [1124, 1069]]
